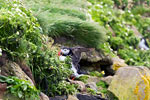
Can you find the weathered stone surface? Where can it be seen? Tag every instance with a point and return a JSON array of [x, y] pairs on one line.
[[117, 63], [58, 98], [95, 56], [91, 56], [92, 85], [107, 79], [71, 97], [13, 69], [96, 61], [81, 85], [89, 97], [93, 79], [43, 96], [131, 83], [3, 87]]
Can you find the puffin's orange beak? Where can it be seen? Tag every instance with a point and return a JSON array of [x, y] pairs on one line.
[[59, 53], [73, 78]]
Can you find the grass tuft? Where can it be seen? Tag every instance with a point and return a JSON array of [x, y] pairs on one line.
[[67, 18]]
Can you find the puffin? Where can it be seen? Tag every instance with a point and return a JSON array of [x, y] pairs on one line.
[[75, 54], [143, 44]]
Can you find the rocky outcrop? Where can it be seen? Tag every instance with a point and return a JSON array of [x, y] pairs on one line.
[[9, 68], [81, 85], [131, 83], [117, 63], [13, 69], [107, 79], [92, 85], [96, 61]]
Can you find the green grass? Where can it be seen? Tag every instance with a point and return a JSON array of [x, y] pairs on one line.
[[140, 10], [67, 18]]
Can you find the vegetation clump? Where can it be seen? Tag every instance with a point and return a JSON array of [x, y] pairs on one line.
[[20, 88], [122, 40], [21, 38], [68, 19]]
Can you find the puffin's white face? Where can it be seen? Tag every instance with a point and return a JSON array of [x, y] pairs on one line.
[[65, 51]]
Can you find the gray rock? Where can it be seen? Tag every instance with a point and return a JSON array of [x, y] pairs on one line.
[[81, 85], [71, 97], [117, 63], [107, 79], [93, 79], [43, 96], [13, 69], [92, 85], [58, 98], [89, 97]]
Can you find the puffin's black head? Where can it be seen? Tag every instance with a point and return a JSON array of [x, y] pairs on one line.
[[65, 51]]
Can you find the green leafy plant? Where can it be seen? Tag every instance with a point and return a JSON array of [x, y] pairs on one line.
[[83, 78], [96, 73], [91, 91], [21, 38], [20, 88], [19, 31], [121, 38], [104, 86], [46, 65], [65, 88]]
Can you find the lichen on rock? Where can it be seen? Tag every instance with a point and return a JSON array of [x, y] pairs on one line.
[[131, 83]]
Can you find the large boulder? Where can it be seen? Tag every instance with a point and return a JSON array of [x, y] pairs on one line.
[[96, 56], [131, 83], [96, 61]]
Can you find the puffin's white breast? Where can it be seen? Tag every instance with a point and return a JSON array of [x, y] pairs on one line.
[[62, 58]]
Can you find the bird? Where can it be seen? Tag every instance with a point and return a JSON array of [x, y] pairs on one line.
[[75, 54], [63, 53], [143, 45]]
